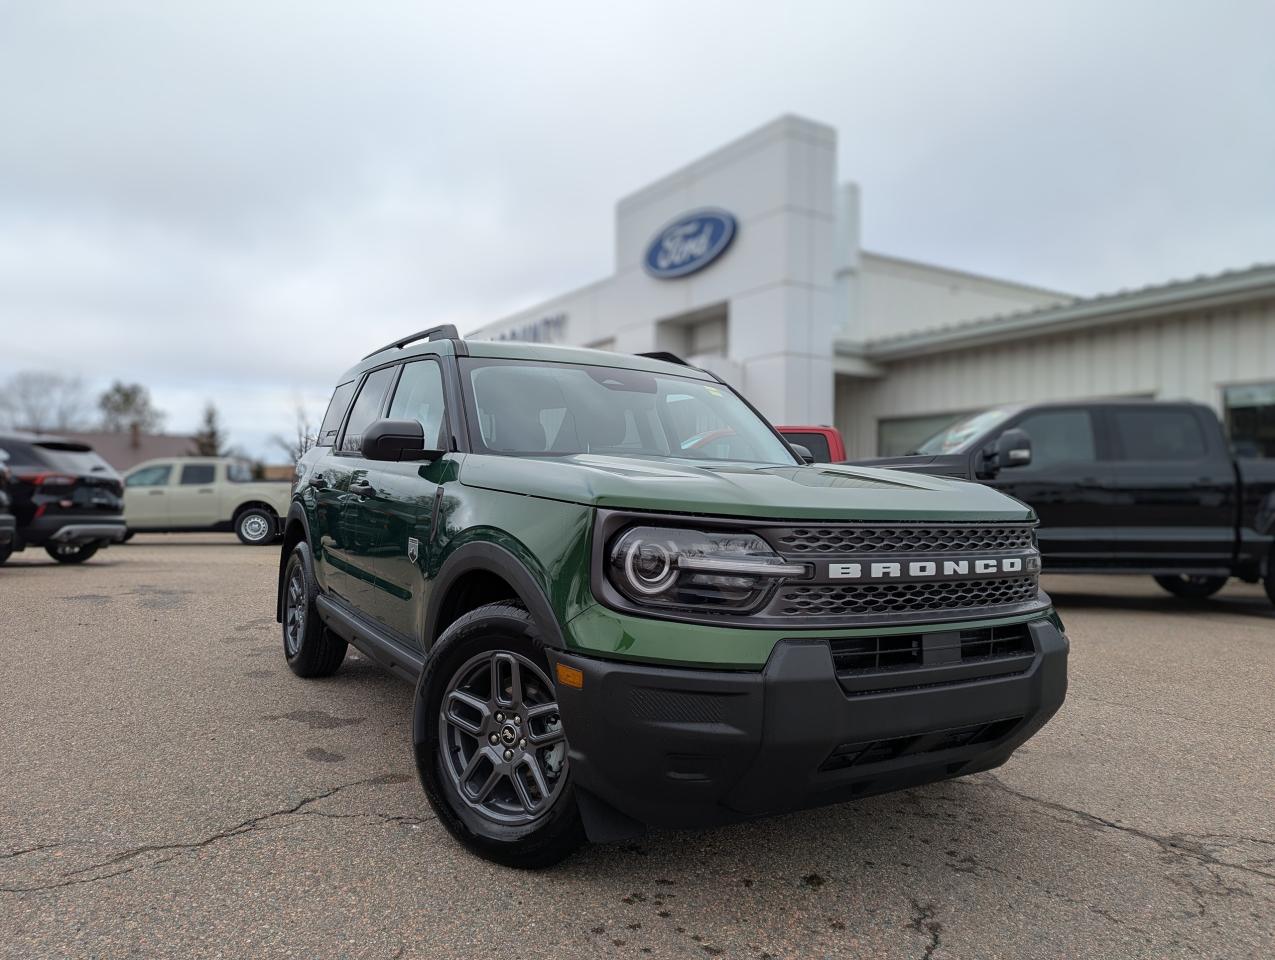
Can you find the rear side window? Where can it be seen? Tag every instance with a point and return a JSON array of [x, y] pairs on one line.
[[15, 453], [1148, 434], [1060, 436], [331, 425], [816, 443], [366, 408], [198, 473], [419, 397], [156, 476]]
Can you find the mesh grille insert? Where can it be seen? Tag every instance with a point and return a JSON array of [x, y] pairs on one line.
[[834, 600], [902, 539]]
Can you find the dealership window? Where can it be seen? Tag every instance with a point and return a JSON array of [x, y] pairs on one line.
[[1250, 419]]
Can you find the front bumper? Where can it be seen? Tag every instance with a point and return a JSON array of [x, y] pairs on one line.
[[675, 747]]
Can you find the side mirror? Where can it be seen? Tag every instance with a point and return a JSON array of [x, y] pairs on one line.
[[397, 440], [1013, 449], [803, 452]]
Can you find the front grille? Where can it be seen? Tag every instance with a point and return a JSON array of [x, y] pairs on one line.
[[840, 600], [932, 538], [878, 751]]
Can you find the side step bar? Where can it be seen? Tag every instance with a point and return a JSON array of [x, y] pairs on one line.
[[371, 640]]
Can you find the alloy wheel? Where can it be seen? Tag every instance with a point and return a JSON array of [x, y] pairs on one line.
[[295, 613], [502, 741]]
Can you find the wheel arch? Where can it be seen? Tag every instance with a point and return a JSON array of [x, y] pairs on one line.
[[473, 563], [296, 529]]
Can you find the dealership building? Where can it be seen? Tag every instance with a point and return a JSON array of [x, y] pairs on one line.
[[747, 262]]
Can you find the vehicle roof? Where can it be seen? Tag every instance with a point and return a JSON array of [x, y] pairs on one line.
[[1101, 402], [515, 350], [24, 436]]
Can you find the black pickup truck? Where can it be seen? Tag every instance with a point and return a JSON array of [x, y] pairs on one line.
[[1121, 487]]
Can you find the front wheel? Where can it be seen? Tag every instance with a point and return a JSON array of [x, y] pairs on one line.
[[255, 526], [490, 749], [71, 552], [6, 551], [1191, 586]]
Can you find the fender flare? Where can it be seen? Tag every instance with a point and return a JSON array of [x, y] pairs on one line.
[[295, 512], [490, 558]]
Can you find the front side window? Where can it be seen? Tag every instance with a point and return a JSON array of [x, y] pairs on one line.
[[1060, 436], [560, 409], [959, 436], [419, 397], [366, 408], [331, 425], [156, 476], [1166, 434], [198, 473]]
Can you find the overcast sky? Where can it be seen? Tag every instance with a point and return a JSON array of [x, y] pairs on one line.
[[234, 201]]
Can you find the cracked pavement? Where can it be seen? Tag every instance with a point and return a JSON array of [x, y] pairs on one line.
[[168, 788]]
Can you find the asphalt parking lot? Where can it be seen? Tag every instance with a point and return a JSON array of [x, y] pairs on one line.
[[168, 788]]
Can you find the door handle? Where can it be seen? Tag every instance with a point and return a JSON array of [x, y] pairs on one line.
[[362, 489], [206, 490], [156, 493]]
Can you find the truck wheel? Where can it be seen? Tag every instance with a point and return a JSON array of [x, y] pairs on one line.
[[490, 749], [71, 552], [311, 649], [1190, 586], [1268, 581], [256, 526], [6, 551]]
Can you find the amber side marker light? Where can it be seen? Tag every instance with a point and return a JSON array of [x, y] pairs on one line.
[[570, 676]]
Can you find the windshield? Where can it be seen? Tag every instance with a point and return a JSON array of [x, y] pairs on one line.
[[955, 438], [559, 409]]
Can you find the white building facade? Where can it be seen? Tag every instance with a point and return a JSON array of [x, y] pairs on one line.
[[747, 262]]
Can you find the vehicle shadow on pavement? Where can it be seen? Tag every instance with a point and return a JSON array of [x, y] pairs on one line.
[[1258, 607]]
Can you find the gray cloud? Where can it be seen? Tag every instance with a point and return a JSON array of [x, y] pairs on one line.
[[233, 201]]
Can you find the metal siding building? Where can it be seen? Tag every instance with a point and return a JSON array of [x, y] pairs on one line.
[[814, 329]]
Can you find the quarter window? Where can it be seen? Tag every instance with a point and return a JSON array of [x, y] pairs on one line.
[[1060, 436], [419, 397], [156, 476], [366, 408], [198, 474], [331, 425], [1149, 434]]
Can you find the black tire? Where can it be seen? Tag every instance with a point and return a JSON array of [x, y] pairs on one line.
[[504, 633], [6, 551], [71, 552], [128, 535], [1268, 581], [309, 647], [256, 526], [1189, 586]]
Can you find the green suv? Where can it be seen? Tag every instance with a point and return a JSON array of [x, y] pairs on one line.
[[625, 601]]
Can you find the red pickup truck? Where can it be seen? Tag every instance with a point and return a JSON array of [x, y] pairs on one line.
[[824, 443]]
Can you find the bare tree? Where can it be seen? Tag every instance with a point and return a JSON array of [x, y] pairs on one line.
[[303, 440], [43, 400]]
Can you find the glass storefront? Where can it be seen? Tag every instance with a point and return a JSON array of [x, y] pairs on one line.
[[1250, 418]]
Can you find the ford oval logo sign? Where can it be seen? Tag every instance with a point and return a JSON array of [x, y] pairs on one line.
[[689, 243]]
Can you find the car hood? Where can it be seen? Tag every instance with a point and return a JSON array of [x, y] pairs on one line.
[[820, 491]]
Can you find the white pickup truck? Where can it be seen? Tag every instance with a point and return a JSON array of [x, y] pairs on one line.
[[204, 493]]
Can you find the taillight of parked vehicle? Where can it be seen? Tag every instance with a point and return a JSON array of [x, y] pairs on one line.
[[47, 481]]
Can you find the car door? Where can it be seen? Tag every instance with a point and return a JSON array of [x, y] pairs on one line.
[[319, 494], [347, 549], [393, 508], [192, 495], [1061, 484], [146, 497], [1172, 487]]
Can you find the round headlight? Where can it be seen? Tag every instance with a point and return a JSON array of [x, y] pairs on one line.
[[649, 567]]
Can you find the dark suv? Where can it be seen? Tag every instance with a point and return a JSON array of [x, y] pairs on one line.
[[624, 600], [65, 497]]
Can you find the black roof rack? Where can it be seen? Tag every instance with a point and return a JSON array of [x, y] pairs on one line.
[[665, 356], [446, 331]]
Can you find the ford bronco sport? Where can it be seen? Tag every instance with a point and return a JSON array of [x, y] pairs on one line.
[[624, 601]]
